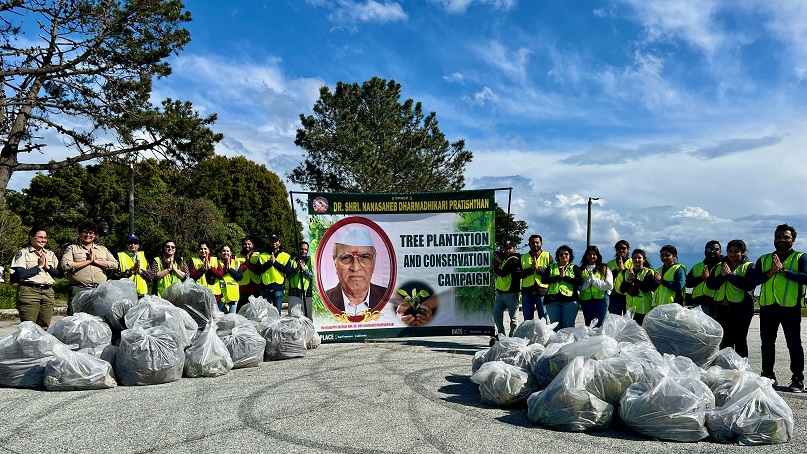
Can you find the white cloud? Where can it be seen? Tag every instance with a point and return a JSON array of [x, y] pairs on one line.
[[351, 12], [454, 77], [461, 6], [512, 62], [485, 96]]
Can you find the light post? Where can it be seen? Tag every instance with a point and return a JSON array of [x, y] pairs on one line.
[[588, 227]]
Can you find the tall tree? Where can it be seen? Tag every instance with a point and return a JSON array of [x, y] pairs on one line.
[[363, 139], [80, 72], [508, 228]]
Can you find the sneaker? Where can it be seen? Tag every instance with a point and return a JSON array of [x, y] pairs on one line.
[[772, 377], [796, 386]]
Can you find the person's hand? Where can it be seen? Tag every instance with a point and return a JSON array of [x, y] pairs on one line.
[[705, 273], [91, 255], [631, 275], [272, 258], [620, 265], [776, 264], [42, 261], [426, 317], [657, 277], [726, 270]]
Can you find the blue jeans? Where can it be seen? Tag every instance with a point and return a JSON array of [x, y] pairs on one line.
[[509, 300], [594, 308], [273, 296], [529, 303], [562, 312]]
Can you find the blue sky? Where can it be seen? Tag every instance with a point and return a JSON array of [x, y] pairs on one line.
[[687, 118]]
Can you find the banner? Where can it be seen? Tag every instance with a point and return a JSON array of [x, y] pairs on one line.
[[400, 265]]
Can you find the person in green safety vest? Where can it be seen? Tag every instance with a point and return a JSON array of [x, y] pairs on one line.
[[732, 286], [669, 279], [563, 277], [597, 282], [230, 289], [636, 283], [533, 264], [702, 295], [616, 300], [507, 267], [248, 260], [206, 270], [132, 264], [300, 283], [783, 276], [167, 269], [275, 266]]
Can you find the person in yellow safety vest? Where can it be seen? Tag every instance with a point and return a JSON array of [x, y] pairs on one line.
[[533, 290], [248, 260], [300, 283], [206, 270], [507, 267], [597, 282], [616, 300], [275, 266], [670, 278], [783, 276], [167, 269], [563, 278], [732, 286], [132, 264], [230, 290], [702, 295], [637, 283]]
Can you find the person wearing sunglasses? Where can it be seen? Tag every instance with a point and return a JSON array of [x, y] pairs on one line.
[[167, 269], [702, 295], [86, 263], [617, 300], [354, 256], [132, 264]]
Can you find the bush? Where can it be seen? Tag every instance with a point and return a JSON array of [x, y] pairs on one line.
[[8, 294]]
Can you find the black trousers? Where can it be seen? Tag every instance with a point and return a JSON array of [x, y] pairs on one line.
[[770, 317], [735, 318]]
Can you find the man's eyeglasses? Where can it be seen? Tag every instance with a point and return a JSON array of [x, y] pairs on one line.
[[40, 237], [365, 258], [88, 232], [170, 247], [621, 248], [712, 249], [782, 237]]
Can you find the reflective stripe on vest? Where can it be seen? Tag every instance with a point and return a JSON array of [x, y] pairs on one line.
[[125, 263], [274, 275], [592, 292], [230, 291], [526, 264], [729, 291], [663, 295], [701, 289], [643, 302], [214, 285], [562, 287], [503, 283], [166, 281], [300, 281], [779, 289], [627, 264]]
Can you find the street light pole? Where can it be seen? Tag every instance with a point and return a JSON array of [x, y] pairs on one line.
[[588, 228]]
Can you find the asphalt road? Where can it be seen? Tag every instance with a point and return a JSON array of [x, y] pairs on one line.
[[389, 396]]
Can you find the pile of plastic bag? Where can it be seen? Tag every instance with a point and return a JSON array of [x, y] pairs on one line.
[[196, 299], [82, 329], [110, 301], [154, 311]]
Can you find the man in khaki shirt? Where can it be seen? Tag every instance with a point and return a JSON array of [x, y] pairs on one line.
[[34, 268], [86, 263]]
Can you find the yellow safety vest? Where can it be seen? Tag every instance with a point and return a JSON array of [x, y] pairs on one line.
[[663, 295], [562, 287], [534, 277], [701, 289], [643, 302], [230, 291], [628, 264], [592, 292], [274, 275], [300, 281], [125, 263], [728, 290], [249, 275], [166, 281], [503, 283], [214, 286], [779, 289]]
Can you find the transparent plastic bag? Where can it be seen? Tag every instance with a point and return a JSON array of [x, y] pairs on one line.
[[149, 356], [595, 347], [226, 323], [110, 301], [624, 328], [312, 339], [726, 383], [70, 371], [536, 331], [567, 405], [757, 415], [155, 311], [611, 377], [506, 349], [24, 354], [680, 331], [207, 356], [284, 339], [196, 299], [259, 310], [727, 358], [105, 352], [673, 409], [527, 358], [245, 344], [82, 329], [503, 384]]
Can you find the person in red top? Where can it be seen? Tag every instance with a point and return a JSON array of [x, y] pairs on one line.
[[250, 284], [207, 270]]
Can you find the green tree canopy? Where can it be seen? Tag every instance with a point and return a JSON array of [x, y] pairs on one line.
[[363, 139], [508, 228], [81, 71]]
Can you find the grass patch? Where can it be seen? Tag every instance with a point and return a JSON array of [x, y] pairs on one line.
[[8, 294]]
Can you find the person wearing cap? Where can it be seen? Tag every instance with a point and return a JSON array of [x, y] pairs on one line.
[[354, 257], [35, 268], [132, 264], [86, 262], [507, 268], [300, 284], [275, 265]]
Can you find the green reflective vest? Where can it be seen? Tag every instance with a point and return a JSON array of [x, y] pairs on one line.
[[503, 283], [125, 263], [728, 290], [273, 275], [299, 280], [167, 280], [643, 302], [230, 291], [779, 289], [198, 264], [592, 292], [663, 295], [628, 264], [701, 289], [526, 264], [249, 275], [561, 287]]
